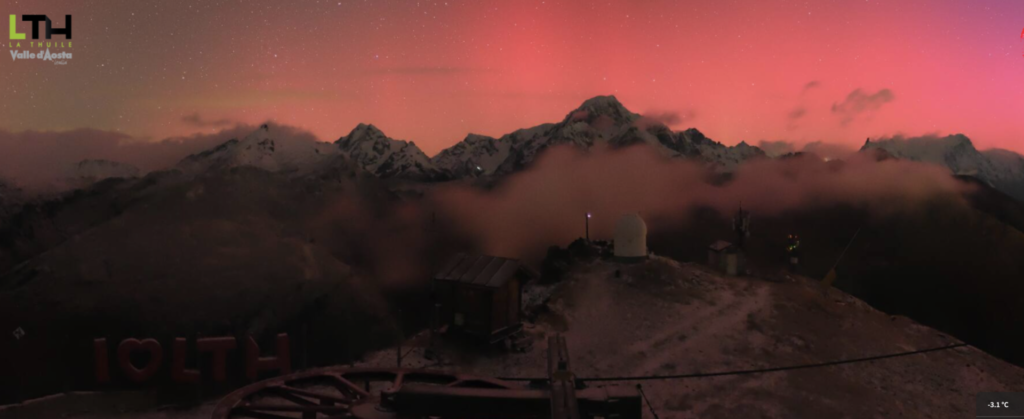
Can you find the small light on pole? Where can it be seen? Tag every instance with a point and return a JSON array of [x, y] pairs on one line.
[[588, 227]]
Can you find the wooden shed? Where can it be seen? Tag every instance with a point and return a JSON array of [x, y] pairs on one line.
[[481, 295]]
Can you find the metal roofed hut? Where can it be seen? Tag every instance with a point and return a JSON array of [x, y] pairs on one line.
[[727, 258], [481, 295]]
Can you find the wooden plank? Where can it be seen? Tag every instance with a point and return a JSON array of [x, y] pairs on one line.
[[508, 269], [484, 278], [474, 270], [462, 267]]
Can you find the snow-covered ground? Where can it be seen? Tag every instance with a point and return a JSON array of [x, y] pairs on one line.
[[663, 317]]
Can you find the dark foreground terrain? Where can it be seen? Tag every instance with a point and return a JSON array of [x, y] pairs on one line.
[[663, 317]]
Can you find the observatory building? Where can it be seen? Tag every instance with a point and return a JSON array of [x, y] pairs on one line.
[[631, 238]]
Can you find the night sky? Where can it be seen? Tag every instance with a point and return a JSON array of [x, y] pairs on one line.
[[433, 71]]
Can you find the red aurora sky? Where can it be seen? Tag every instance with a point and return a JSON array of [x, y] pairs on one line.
[[432, 71]]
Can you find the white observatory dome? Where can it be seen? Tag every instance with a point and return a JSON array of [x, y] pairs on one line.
[[631, 237]]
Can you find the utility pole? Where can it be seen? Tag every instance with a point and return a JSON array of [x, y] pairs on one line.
[[349, 358], [741, 226], [431, 352], [830, 277], [305, 344], [588, 227], [398, 350]]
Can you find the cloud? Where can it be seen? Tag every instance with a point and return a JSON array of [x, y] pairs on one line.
[[666, 118], [776, 148], [829, 150], [818, 148], [797, 113], [810, 85], [426, 71], [859, 102], [543, 205], [793, 116], [199, 122]]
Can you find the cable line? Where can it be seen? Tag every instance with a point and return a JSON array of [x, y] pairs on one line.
[[776, 369], [753, 371]]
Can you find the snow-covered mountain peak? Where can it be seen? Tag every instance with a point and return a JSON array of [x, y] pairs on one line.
[[694, 135], [280, 150], [363, 132], [955, 151], [999, 168], [604, 104], [934, 147], [472, 138], [371, 149], [475, 155], [601, 112], [599, 120], [268, 148]]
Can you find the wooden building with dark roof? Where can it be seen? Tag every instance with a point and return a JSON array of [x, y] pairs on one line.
[[481, 295]]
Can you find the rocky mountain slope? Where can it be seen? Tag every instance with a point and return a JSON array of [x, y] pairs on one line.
[[1002, 169], [598, 121], [90, 171], [233, 251], [475, 155], [94, 170], [1008, 171], [10, 198]]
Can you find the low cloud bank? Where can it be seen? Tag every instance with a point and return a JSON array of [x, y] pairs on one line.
[[821, 149], [548, 204]]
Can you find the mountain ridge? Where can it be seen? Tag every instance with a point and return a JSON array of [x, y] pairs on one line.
[[598, 120], [601, 120]]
